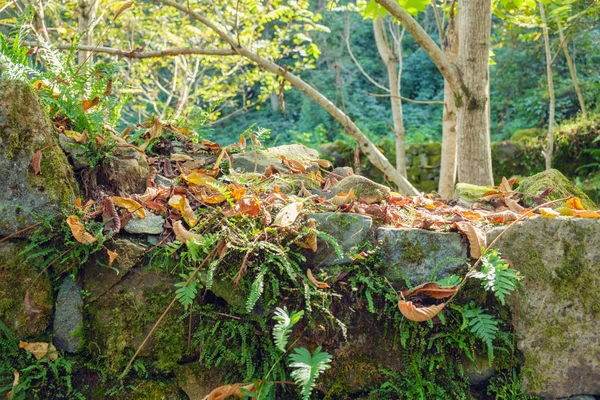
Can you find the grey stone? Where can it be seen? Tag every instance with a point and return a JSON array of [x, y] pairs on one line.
[[557, 312], [161, 180], [68, 318], [264, 158], [349, 230], [129, 170], [152, 224], [74, 151], [419, 255], [25, 129], [342, 172], [98, 279], [479, 371], [365, 189], [197, 384]]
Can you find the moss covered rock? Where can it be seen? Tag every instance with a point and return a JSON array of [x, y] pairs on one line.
[[365, 189], [24, 130], [536, 184], [15, 278], [557, 312], [466, 194]]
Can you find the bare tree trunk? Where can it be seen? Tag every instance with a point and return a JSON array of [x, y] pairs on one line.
[[473, 123], [572, 69], [449, 150], [87, 13], [550, 145], [389, 59]]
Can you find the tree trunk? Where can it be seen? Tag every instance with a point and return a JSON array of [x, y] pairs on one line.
[[550, 145], [87, 13], [572, 69], [389, 59], [449, 149], [350, 128], [473, 122], [39, 19]]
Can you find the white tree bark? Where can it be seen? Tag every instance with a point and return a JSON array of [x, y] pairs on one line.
[[87, 13], [572, 69], [550, 143], [390, 60], [366, 146], [449, 149], [473, 122]]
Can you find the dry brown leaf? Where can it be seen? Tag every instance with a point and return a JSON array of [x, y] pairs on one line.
[[122, 8], [212, 146], [112, 256], [182, 234], [130, 205], [181, 204], [294, 166], [502, 217], [432, 289], [36, 162], [575, 204], [318, 284], [420, 314], [249, 205], [477, 241], [513, 205], [78, 230], [110, 217], [197, 178], [181, 157], [40, 350], [16, 376], [323, 163], [343, 198], [288, 214], [87, 104], [224, 392], [311, 239]]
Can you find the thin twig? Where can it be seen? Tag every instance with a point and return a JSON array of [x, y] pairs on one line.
[[19, 232], [407, 99]]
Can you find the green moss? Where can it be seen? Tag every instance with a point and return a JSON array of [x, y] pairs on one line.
[[534, 185], [412, 252], [525, 134], [152, 390]]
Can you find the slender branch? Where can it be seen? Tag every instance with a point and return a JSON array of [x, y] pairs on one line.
[[172, 52], [407, 99], [438, 21], [446, 68]]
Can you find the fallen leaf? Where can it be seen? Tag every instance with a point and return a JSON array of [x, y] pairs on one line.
[[182, 204], [323, 163], [513, 205], [502, 217], [548, 212], [237, 191], [212, 146], [564, 211], [294, 166], [311, 239], [318, 284], [87, 104], [432, 289], [78, 230], [40, 350], [36, 162], [130, 205], [182, 234], [288, 214], [181, 157], [16, 376], [419, 314], [112, 256], [110, 217], [343, 198], [585, 214], [122, 8], [575, 204], [224, 392], [477, 241], [249, 205], [197, 178]]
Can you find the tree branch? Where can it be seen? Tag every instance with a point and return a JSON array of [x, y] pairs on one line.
[[172, 52], [407, 99], [446, 68], [366, 146]]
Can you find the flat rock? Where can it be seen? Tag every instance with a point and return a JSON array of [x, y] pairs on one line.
[[98, 279], [466, 194], [364, 189], [68, 318], [129, 170], [419, 255], [262, 159], [25, 129], [349, 230], [151, 225], [557, 312]]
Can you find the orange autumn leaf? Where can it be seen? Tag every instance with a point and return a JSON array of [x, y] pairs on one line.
[[214, 147], [585, 214], [548, 212], [212, 198], [40, 350], [294, 166], [78, 230], [477, 241], [575, 204], [319, 284], [343, 198], [182, 234], [181, 204], [130, 205], [323, 163], [226, 391], [112, 256], [36, 162], [249, 205], [87, 104], [419, 314], [237, 191], [311, 239]]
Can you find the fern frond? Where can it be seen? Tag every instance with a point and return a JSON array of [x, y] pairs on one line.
[[497, 276], [256, 290], [307, 368], [483, 325], [284, 325]]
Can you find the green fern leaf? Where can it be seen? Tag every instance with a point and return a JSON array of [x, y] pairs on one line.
[[258, 286], [497, 276], [483, 325], [307, 368], [284, 325]]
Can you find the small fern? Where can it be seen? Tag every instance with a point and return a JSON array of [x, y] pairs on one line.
[[307, 368], [258, 286], [483, 325], [497, 276], [283, 328]]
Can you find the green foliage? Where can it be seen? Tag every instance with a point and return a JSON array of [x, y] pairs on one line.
[[307, 368], [283, 328], [496, 275], [484, 326]]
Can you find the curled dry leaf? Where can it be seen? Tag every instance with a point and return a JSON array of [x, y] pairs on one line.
[[16, 376], [513, 205], [87, 104], [319, 284], [130, 205], [226, 391], [502, 217], [477, 241], [76, 136], [249, 205], [181, 204], [40, 350], [294, 166], [182, 234], [181, 157], [112, 256], [288, 214], [575, 204], [36, 162], [323, 163], [431, 289], [343, 198], [110, 217], [311, 239], [425, 301], [121, 9], [419, 314], [78, 230]]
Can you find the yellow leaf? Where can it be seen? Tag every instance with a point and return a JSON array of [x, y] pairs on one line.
[[76, 136], [112, 256], [78, 230], [548, 212], [564, 211], [585, 214], [182, 204], [575, 204], [130, 205], [319, 284], [288, 215], [40, 350], [196, 178]]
